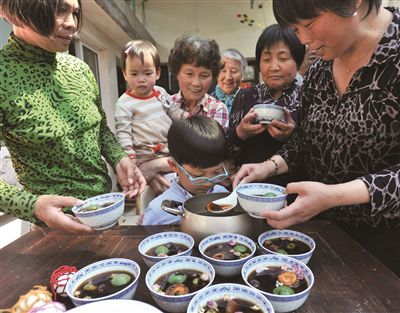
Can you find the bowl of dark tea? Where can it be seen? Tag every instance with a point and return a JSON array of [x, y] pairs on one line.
[[173, 282], [256, 198], [286, 282], [107, 279], [227, 252], [160, 246], [101, 212], [228, 298], [288, 242]]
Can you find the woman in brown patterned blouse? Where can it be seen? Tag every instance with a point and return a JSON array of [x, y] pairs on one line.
[[349, 134]]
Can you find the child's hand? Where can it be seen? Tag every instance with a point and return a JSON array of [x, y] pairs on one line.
[[154, 167], [159, 184]]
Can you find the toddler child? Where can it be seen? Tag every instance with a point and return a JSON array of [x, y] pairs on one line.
[[198, 150], [144, 113]]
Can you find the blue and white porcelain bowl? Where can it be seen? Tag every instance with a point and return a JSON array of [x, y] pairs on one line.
[[105, 217], [223, 291], [162, 239], [255, 198], [176, 303], [227, 268], [280, 303], [108, 265], [267, 112], [287, 233]]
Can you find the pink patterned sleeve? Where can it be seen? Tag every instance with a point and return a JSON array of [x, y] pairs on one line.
[[219, 112]]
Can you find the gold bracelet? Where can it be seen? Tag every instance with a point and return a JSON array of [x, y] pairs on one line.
[[276, 166]]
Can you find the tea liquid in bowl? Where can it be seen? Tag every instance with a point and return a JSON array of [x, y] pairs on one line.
[[286, 245], [167, 249], [280, 280], [181, 282], [97, 206], [229, 250], [103, 284], [230, 305]]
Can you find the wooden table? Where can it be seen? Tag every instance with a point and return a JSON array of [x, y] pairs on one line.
[[347, 278]]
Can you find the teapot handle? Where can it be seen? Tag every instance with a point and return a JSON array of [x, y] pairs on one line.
[[172, 207]]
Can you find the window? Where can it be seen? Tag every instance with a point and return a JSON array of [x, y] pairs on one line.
[[91, 58]]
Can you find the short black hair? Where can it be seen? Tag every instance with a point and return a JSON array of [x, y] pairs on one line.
[[40, 15], [275, 33], [198, 141], [288, 12], [200, 51]]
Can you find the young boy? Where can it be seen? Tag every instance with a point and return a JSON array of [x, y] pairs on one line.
[[198, 150], [144, 113]]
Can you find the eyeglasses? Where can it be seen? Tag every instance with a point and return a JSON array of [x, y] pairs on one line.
[[204, 180]]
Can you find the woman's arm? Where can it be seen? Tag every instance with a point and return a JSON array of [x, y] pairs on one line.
[[383, 188], [44, 209], [275, 165], [240, 123]]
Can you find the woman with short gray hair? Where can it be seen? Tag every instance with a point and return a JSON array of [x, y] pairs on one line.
[[230, 76]]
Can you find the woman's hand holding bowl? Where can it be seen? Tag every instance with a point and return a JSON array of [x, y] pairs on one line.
[[282, 131], [246, 129], [314, 198], [48, 208]]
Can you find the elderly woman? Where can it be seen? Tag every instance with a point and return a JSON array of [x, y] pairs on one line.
[[51, 119], [279, 55], [230, 76], [195, 62]]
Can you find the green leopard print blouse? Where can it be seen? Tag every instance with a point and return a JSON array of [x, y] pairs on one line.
[[52, 122]]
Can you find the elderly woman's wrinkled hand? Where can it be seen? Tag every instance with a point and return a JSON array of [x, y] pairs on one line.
[[282, 131], [48, 208], [313, 198], [129, 177], [246, 129]]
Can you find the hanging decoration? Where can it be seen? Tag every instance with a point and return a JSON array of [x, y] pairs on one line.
[[245, 19]]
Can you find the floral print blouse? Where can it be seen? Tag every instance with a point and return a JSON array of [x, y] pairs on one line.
[[207, 106]]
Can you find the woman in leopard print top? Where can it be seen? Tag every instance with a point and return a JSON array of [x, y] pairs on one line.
[[51, 118], [349, 130]]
